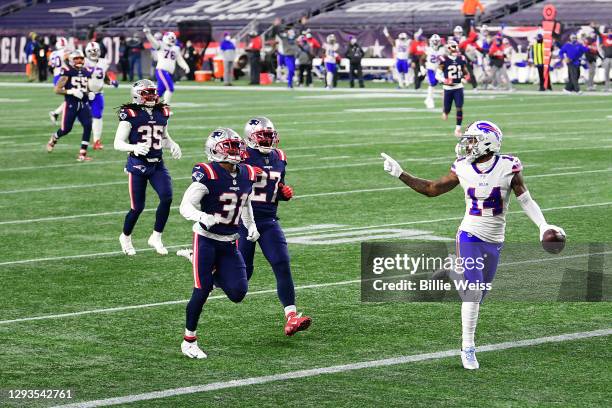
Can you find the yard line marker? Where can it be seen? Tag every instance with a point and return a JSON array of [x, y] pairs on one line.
[[252, 293], [313, 372]]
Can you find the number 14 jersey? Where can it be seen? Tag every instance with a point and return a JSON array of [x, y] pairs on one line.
[[487, 192]]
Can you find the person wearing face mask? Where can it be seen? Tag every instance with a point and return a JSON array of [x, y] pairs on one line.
[[191, 57], [536, 57], [254, 52], [571, 52], [228, 51], [354, 54]]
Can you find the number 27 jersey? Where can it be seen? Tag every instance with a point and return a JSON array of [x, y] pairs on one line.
[[487, 192]]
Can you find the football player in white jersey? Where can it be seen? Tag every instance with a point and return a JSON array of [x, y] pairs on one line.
[[400, 49], [487, 178], [168, 55], [433, 54], [331, 60], [100, 75], [57, 61]]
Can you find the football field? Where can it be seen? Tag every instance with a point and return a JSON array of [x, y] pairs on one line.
[[75, 313]]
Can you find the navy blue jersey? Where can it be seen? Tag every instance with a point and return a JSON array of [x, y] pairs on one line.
[[453, 71], [77, 79], [146, 127], [265, 190], [226, 194]]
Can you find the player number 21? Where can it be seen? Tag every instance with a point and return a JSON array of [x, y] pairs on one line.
[[152, 135]]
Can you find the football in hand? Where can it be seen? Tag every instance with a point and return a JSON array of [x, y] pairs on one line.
[[553, 241]]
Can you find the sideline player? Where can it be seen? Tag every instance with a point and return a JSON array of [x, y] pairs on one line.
[[487, 178], [216, 200], [433, 54], [99, 76], [57, 61], [168, 54], [262, 152], [453, 65], [143, 132], [73, 84], [331, 61]]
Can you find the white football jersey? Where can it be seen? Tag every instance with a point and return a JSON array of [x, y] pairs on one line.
[[98, 73], [57, 62], [331, 52], [167, 56], [487, 192], [433, 56], [401, 49]]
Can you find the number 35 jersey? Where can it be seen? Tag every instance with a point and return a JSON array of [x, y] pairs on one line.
[[487, 192], [148, 125]]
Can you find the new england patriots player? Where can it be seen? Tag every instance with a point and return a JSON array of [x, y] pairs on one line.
[[433, 55], [73, 84], [454, 67], [168, 54], [487, 178], [100, 75], [57, 61], [217, 199], [143, 133], [262, 152]]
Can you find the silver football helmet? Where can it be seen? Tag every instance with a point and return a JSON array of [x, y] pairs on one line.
[[260, 134], [92, 50], [144, 92], [76, 59], [224, 145], [169, 38], [480, 138]]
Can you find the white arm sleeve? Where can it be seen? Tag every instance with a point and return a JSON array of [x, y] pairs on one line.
[[167, 142], [532, 209], [247, 216], [154, 43], [190, 205], [181, 61], [121, 137]]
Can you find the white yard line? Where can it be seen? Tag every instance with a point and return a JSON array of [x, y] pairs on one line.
[[314, 372]]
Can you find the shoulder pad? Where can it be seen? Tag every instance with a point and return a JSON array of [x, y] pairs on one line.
[[251, 173], [455, 164], [202, 172], [281, 155], [512, 161], [126, 113], [166, 111]]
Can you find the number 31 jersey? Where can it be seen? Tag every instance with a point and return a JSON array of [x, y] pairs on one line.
[[148, 126], [487, 192]]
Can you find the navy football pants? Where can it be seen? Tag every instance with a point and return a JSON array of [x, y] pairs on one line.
[[219, 263], [159, 177], [73, 111], [274, 247]]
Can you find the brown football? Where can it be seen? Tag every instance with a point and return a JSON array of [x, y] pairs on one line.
[[553, 241]]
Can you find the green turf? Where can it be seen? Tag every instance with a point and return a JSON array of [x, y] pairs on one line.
[[329, 150]]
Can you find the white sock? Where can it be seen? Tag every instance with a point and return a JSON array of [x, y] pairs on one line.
[[330, 79], [290, 309], [96, 127], [167, 97], [59, 109], [189, 333], [430, 92], [469, 318], [156, 234]]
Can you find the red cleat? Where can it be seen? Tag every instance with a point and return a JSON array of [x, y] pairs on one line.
[[98, 145], [296, 323]]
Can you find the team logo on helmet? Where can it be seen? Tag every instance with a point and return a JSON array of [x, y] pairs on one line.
[[488, 128]]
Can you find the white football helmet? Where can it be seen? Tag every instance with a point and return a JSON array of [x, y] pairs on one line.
[[76, 59], [144, 92], [434, 40], [480, 138], [61, 43], [331, 38], [224, 145], [260, 134], [169, 38], [458, 31], [402, 36], [92, 50]]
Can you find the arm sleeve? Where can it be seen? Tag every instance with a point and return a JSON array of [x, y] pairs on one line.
[[167, 141], [247, 216], [121, 137], [190, 204], [532, 209], [181, 61], [154, 43]]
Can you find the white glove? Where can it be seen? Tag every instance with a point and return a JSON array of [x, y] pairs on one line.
[[77, 93], [386, 31], [546, 227], [141, 149], [391, 166], [146, 30], [91, 96], [175, 149], [253, 233], [208, 220], [187, 70]]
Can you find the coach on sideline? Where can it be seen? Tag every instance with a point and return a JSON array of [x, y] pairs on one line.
[[573, 52]]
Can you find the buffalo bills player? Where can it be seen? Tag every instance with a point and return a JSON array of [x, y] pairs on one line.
[[433, 54], [143, 133], [331, 59], [100, 75], [168, 54], [73, 84], [400, 49], [487, 178], [453, 65], [262, 152], [57, 61], [217, 199]]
